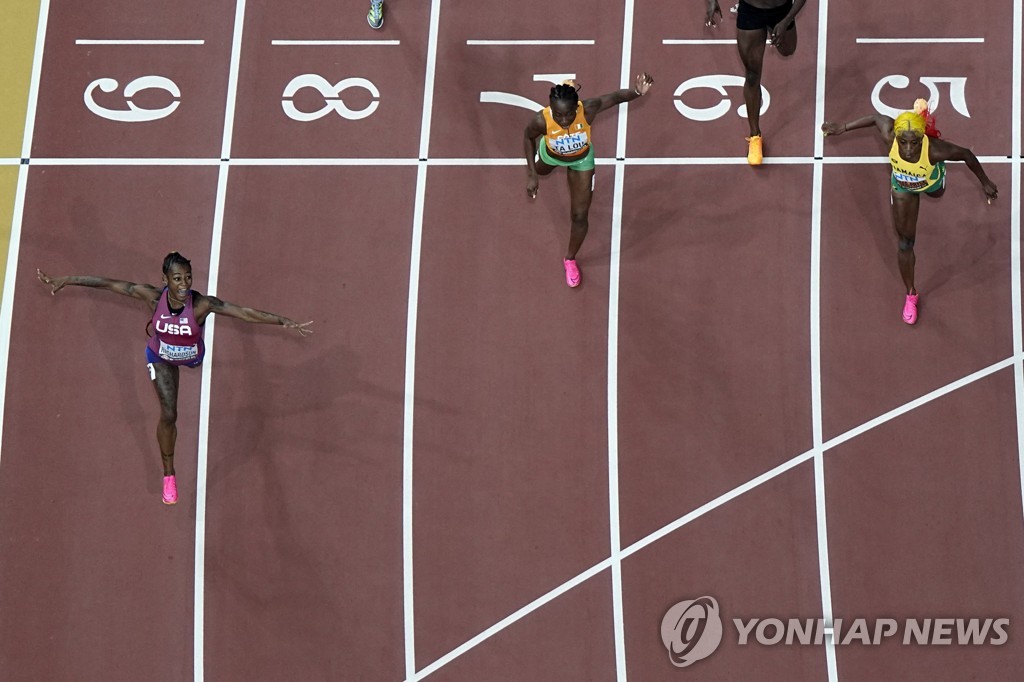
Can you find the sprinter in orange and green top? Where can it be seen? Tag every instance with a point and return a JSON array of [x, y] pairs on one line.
[[564, 128], [917, 156]]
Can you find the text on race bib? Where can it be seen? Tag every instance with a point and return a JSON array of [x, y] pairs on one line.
[[178, 353], [570, 143]]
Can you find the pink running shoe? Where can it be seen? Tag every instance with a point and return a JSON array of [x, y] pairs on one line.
[[572, 272], [170, 490], [910, 309]]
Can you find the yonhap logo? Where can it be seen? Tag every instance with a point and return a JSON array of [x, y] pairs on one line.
[[691, 631]]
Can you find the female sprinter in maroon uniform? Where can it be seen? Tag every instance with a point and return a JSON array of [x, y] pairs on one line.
[[178, 317]]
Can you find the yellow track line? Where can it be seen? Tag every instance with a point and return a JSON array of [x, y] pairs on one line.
[[17, 44]]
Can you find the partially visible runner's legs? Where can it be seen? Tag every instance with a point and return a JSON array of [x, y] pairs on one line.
[[375, 17], [580, 194], [165, 381], [905, 207], [751, 48]]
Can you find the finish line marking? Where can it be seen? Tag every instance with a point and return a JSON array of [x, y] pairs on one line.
[[332, 43], [530, 42], [929, 41], [87, 41]]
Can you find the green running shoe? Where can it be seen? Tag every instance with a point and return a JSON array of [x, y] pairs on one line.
[[375, 17]]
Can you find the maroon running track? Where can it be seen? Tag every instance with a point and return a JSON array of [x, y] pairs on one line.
[[669, 407]]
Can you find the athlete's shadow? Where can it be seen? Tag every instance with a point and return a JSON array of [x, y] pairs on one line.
[[696, 218], [318, 389], [123, 358], [966, 255], [553, 199], [324, 407], [121, 364]]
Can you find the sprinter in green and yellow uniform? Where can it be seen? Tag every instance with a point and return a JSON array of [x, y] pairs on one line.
[[918, 156]]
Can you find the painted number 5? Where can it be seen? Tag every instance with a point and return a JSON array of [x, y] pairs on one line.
[[718, 83], [957, 93], [134, 113]]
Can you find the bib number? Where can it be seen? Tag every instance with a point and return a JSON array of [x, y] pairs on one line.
[[567, 145], [178, 353]]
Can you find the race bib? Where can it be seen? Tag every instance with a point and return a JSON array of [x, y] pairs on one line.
[[907, 181], [178, 353], [569, 144]]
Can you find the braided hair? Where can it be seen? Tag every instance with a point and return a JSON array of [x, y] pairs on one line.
[[175, 258], [566, 91]]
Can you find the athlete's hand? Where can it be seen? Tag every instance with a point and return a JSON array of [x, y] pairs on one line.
[[532, 183], [643, 83], [777, 31], [991, 191], [301, 327], [56, 283], [713, 10], [830, 128]]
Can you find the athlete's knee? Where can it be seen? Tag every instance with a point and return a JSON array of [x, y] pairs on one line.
[[580, 220], [752, 77], [906, 244], [168, 415]]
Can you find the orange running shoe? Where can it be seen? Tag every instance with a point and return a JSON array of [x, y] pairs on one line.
[[754, 155]]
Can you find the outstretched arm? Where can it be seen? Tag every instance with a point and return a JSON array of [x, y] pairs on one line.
[[143, 292], [883, 123], [941, 150], [534, 130], [592, 107], [204, 305]]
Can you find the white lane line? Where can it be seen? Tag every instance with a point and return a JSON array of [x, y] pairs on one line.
[[454, 161], [123, 162], [918, 402], [408, 582], [824, 569], [236, 57], [607, 563], [334, 43], [710, 506], [428, 85], [917, 41], [688, 41], [685, 41], [613, 425], [154, 41], [825, 574], [353, 161], [615, 539], [14, 245], [1015, 207], [553, 78], [530, 42], [199, 582], [513, 618]]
